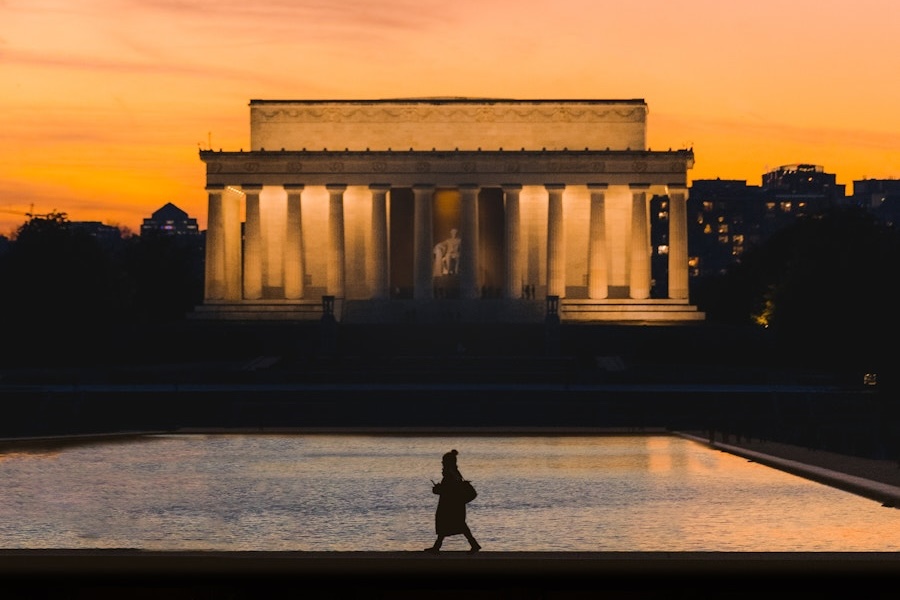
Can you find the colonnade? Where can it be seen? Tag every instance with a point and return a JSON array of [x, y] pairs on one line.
[[235, 260]]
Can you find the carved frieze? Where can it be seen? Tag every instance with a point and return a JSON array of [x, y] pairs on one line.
[[477, 113], [450, 166]]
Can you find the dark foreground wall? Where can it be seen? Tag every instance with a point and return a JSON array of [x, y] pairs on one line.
[[562, 575], [856, 421]]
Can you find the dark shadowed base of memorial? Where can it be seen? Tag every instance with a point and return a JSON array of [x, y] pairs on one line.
[[560, 575]]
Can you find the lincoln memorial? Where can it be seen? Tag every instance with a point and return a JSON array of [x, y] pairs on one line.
[[431, 209]]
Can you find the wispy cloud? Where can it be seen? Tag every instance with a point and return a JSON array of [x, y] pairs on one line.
[[92, 63], [208, 39], [394, 14]]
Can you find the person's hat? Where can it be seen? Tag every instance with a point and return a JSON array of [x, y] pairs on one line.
[[450, 457]]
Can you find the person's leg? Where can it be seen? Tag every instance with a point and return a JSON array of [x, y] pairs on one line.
[[475, 546], [437, 544]]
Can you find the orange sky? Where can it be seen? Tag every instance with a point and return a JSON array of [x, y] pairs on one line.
[[106, 102]]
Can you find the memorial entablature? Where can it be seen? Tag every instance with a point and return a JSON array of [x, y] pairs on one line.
[[424, 206]]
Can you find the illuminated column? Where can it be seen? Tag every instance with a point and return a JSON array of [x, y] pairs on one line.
[[231, 218], [640, 242], [556, 265], [513, 287], [598, 283], [423, 240], [468, 246], [293, 241], [380, 239], [253, 256], [678, 247], [336, 276], [215, 245]]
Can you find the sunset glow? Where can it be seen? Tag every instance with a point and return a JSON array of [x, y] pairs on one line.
[[106, 103]]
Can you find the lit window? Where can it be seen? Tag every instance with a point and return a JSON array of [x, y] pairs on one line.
[[723, 227], [723, 239]]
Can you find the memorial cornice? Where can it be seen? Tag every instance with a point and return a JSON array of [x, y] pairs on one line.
[[450, 111], [450, 168]]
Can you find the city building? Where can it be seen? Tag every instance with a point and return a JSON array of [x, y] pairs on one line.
[[796, 191], [727, 216], [445, 208], [880, 196], [106, 235], [170, 221]]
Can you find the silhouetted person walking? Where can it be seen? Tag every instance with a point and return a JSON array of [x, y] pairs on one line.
[[450, 516]]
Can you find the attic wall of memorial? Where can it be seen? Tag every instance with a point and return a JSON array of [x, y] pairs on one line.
[[447, 124]]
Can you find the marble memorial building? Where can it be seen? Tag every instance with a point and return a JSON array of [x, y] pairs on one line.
[[430, 209]]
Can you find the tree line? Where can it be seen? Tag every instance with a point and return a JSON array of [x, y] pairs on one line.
[[66, 291], [826, 288]]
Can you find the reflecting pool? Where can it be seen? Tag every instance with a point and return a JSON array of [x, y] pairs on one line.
[[342, 492]]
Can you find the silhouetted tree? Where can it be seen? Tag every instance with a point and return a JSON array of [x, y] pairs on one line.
[[837, 296], [166, 273], [61, 290], [826, 285]]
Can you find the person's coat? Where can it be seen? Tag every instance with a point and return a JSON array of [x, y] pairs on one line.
[[450, 516]]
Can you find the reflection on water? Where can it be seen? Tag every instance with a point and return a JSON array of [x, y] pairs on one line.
[[373, 492]]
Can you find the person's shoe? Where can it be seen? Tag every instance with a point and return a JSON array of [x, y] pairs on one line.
[[432, 550], [475, 548]]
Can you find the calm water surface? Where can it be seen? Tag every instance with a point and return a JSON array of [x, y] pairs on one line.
[[373, 492]]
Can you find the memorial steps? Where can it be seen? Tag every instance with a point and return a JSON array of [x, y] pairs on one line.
[[260, 310], [618, 310], [624, 310]]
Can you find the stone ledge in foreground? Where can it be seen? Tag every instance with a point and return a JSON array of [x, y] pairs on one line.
[[224, 565]]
